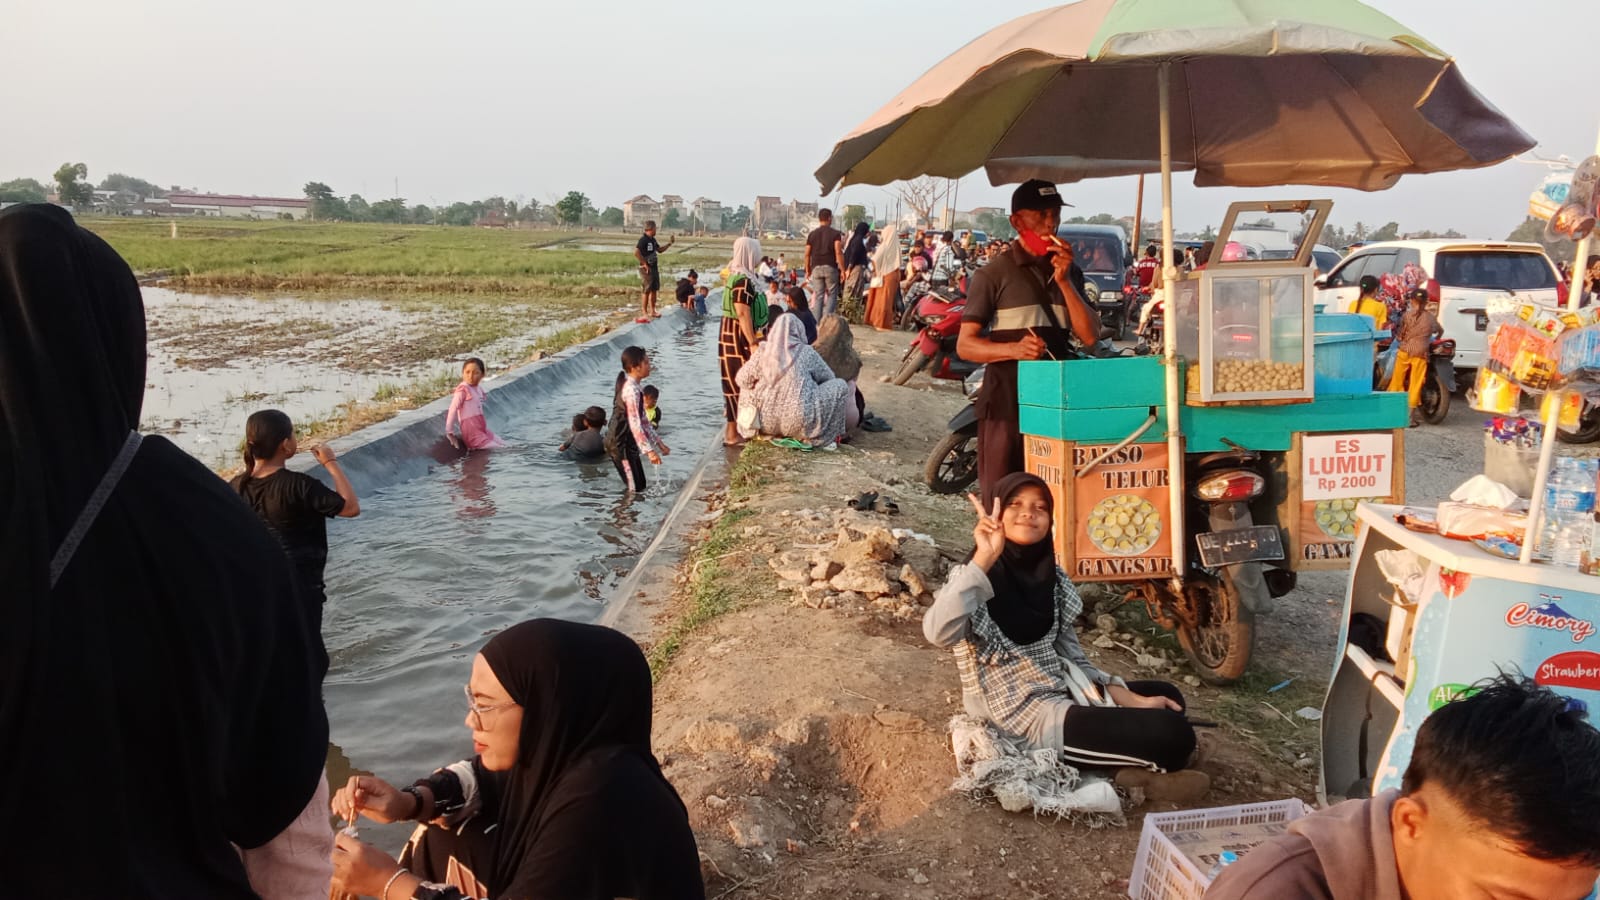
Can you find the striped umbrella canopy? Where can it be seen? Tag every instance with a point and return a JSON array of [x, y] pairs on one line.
[[1263, 92]]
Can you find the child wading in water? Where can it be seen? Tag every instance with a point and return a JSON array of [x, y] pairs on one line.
[[652, 404], [466, 407], [588, 435], [294, 505], [631, 433]]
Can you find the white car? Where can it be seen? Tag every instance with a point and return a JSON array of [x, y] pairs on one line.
[[1463, 276]]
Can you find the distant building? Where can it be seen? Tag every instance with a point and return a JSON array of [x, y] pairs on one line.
[[494, 218], [670, 202], [640, 209], [236, 206], [802, 216], [707, 213], [769, 214]]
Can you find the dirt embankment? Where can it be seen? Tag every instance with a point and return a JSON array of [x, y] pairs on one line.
[[809, 743]]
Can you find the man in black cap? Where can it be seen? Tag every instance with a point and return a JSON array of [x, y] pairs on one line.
[[1029, 299], [686, 288]]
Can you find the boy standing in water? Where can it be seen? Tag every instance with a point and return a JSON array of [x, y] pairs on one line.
[[631, 434]]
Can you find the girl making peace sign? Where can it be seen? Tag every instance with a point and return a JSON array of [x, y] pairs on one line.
[[1008, 614]]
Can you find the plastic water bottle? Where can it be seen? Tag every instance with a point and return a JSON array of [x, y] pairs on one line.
[[1569, 510], [1227, 859]]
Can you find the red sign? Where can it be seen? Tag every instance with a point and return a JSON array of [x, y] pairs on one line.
[[1574, 669], [1549, 616]]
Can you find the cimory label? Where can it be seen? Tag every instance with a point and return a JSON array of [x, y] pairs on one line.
[[1573, 669], [1549, 615]]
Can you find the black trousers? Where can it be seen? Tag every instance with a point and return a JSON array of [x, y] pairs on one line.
[[999, 454], [630, 466], [1109, 737]]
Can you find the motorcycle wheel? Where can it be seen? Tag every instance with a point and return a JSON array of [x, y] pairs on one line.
[[908, 318], [1587, 432], [1219, 642], [1434, 404], [953, 465], [913, 363]]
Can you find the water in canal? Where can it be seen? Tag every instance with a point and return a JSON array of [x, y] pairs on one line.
[[435, 565]]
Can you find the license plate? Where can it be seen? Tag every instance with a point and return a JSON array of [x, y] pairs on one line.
[[1481, 322], [1240, 545]]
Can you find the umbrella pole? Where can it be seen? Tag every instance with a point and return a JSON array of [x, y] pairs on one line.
[[1169, 337]]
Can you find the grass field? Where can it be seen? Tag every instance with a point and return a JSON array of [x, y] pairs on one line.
[[416, 262]]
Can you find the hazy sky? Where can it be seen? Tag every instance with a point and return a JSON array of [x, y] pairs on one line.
[[467, 99]]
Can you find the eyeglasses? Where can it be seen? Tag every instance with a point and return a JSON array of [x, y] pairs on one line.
[[482, 712]]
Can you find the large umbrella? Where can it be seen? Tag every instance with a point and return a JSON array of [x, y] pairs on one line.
[[1247, 93]]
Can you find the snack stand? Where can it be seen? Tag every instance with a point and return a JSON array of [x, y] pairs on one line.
[[1441, 599]]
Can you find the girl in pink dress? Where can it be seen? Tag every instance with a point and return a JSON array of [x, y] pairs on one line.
[[466, 407]]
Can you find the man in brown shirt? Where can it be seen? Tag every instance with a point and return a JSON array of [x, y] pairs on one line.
[[1498, 801], [824, 251], [1415, 335]]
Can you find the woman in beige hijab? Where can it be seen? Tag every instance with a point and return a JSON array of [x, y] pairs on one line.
[[886, 269]]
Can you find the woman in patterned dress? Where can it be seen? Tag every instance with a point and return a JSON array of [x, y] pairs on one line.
[[738, 334], [794, 391]]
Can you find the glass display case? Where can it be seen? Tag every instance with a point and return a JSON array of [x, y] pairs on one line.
[[1245, 320]]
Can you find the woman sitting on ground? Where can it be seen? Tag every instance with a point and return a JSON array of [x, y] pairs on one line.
[[1008, 614], [836, 345], [794, 393], [800, 306], [564, 799]]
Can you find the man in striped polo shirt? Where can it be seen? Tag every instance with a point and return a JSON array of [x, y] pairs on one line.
[[1029, 299]]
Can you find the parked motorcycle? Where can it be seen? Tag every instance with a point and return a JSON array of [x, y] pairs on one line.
[[952, 467], [1233, 565], [934, 347], [1440, 383]]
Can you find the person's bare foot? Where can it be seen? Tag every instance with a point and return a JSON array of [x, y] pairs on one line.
[[1182, 786]]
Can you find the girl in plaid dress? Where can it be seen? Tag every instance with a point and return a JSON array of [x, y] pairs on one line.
[[1008, 615], [738, 332]]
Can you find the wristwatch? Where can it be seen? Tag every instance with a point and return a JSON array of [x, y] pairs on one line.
[[412, 790]]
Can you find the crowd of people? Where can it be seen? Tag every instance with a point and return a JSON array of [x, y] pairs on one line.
[[163, 661]]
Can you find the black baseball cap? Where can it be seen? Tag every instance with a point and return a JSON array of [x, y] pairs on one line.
[[1036, 193]]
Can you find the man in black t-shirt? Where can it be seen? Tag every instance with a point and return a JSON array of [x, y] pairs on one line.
[[1030, 299], [646, 252], [824, 250], [686, 288]]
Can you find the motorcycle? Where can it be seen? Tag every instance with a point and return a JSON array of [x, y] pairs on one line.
[[1234, 575], [934, 347], [952, 467], [1437, 385]]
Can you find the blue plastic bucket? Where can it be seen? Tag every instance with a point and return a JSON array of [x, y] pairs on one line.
[[1343, 353]]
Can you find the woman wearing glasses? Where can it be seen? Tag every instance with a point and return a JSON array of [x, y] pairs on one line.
[[563, 798]]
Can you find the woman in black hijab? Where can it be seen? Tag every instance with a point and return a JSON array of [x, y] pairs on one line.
[[856, 259], [159, 697], [564, 798], [1008, 613]]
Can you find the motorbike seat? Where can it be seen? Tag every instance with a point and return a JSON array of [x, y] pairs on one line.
[[1227, 458]]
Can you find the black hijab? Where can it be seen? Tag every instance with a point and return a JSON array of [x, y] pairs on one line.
[[1024, 578], [585, 811], [163, 694], [855, 250]]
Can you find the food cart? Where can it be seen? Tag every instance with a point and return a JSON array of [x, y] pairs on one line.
[[1274, 392]]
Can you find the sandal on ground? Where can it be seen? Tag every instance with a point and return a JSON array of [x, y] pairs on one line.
[[887, 506], [873, 423], [865, 501], [792, 444], [1182, 786]]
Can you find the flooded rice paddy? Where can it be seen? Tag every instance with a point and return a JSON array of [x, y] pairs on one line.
[[434, 565], [214, 360]]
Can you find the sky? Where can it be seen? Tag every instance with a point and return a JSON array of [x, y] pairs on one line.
[[468, 99]]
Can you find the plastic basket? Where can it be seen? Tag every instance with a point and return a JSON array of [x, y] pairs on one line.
[[1162, 872]]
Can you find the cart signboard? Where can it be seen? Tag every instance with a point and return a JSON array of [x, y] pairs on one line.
[[1329, 476], [1111, 521]]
